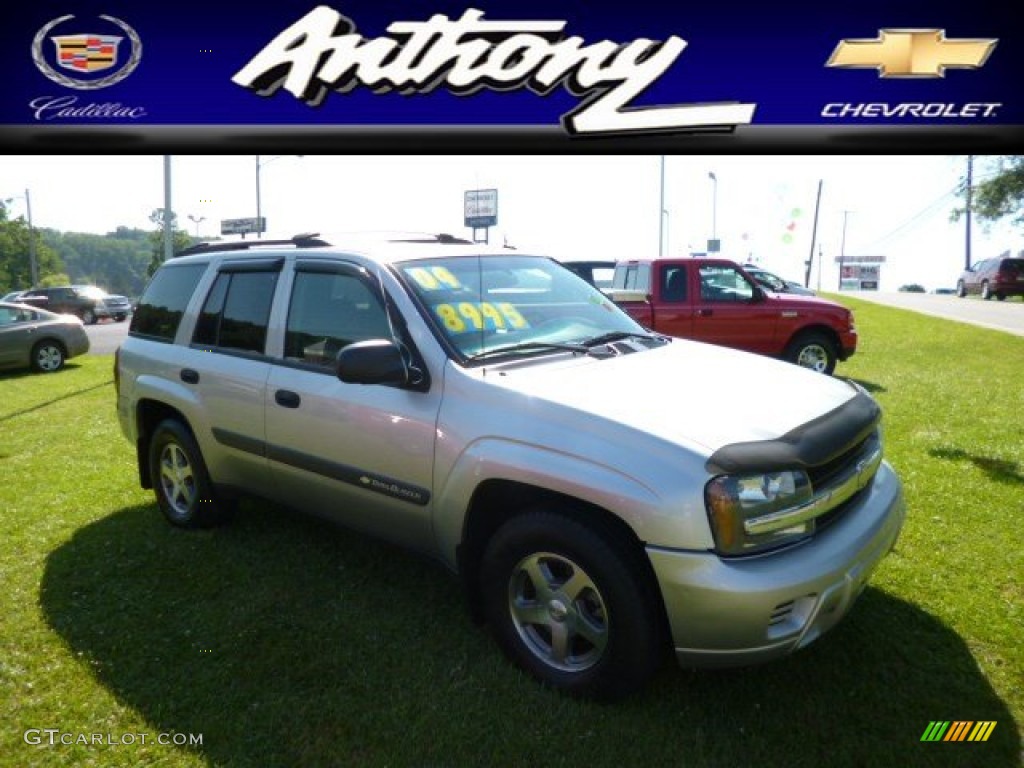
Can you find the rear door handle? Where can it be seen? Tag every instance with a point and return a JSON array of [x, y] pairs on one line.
[[189, 376], [287, 398], [705, 312]]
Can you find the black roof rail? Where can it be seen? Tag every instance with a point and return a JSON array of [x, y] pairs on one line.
[[303, 240], [442, 237]]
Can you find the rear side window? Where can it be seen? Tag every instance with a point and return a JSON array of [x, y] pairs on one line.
[[164, 301], [236, 311]]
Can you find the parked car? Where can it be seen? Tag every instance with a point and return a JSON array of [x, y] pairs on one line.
[[604, 493], [13, 296], [912, 288], [999, 277], [775, 283], [86, 301], [598, 273], [31, 337], [716, 301], [944, 291]]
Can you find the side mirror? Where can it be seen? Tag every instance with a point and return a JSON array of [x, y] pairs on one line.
[[375, 361]]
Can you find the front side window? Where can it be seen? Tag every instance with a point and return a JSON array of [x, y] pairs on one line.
[[329, 311], [724, 284], [236, 311], [483, 303], [164, 301]]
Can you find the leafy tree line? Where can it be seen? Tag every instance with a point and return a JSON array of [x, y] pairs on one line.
[[120, 261], [1001, 194]]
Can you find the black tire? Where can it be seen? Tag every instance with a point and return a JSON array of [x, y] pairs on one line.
[[180, 480], [986, 294], [47, 356], [961, 289], [999, 296], [814, 351], [88, 317], [120, 318], [610, 623]]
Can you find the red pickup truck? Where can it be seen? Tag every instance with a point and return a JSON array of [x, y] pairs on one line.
[[715, 301]]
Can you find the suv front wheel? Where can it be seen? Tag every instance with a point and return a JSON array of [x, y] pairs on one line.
[[570, 606], [180, 480]]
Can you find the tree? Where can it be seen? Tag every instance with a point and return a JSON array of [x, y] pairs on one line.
[[180, 239], [15, 270], [1000, 195]]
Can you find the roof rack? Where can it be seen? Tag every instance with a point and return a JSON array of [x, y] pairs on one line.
[[303, 240]]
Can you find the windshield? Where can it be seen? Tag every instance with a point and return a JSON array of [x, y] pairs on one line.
[[482, 303]]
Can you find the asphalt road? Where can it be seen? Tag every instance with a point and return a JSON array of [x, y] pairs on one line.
[[999, 315], [106, 336]]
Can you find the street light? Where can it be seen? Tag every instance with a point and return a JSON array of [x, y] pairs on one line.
[[259, 209], [714, 205], [197, 220], [32, 265]]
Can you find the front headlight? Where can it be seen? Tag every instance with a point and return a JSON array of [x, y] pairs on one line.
[[732, 500]]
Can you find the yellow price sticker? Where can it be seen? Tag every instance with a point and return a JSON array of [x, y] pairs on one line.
[[434, 278], [477, 316]]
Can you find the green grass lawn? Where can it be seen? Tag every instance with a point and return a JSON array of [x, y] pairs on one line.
[[283, 641]]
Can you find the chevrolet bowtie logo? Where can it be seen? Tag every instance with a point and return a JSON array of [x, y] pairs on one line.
[[911, 53]]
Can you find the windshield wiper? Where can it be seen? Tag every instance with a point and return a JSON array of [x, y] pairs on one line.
[[528, 346], [608, 338]]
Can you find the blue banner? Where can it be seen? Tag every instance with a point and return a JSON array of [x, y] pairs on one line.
[[587, 69]]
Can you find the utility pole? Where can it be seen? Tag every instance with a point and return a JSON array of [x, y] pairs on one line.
[[168, 229], [814, 237], [842, 250], [33, 266], [970, 195], [820, 262], [661, 212]]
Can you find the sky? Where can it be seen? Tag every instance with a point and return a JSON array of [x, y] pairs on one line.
[[761, 208]]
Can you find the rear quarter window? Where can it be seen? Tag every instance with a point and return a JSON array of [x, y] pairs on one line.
[[164, 301]]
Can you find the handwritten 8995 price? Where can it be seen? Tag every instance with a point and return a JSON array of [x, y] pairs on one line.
[[480, 316]]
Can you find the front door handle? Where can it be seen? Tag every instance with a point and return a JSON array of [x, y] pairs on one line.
[[189, 376], [705, 312], [287, 398]]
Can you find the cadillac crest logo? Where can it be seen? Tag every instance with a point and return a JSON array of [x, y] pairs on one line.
[[85, 53]]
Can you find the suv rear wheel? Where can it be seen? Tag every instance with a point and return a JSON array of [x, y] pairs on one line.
[[570, 606], [180, 480]]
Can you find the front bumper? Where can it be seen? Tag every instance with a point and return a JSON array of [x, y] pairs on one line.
[[747, 610]]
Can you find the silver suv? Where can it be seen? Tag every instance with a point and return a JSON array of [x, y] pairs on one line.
[[604, 493]]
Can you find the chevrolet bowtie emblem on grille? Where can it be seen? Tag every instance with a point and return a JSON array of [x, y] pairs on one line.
[[912, 53]]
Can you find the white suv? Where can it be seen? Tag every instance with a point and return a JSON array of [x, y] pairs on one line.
[[605, 493]]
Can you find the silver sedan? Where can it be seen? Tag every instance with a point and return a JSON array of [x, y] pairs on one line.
[[35, 338]]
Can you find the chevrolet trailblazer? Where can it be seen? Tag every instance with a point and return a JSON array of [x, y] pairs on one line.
[[605, 493]]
